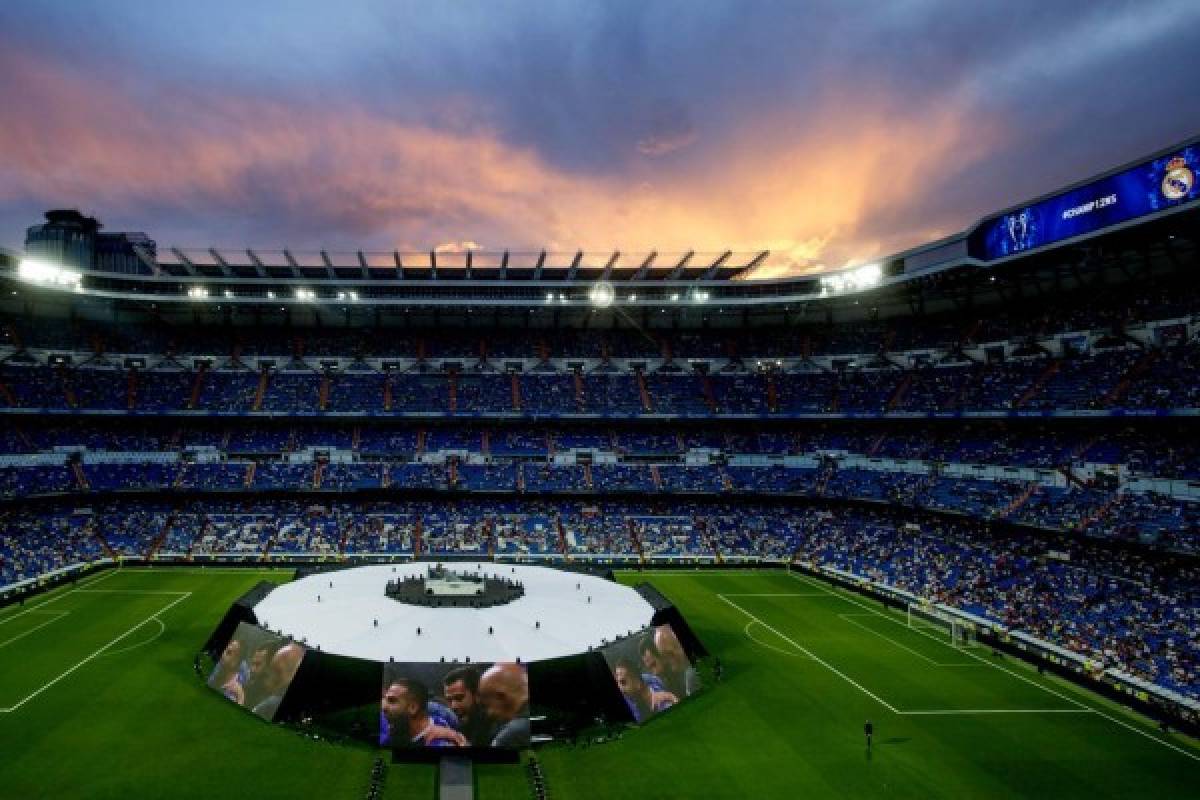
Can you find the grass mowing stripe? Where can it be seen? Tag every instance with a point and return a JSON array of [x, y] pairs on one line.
[[57, 616], [1109, 717], [850, 618], [814, 657], [46, 686]]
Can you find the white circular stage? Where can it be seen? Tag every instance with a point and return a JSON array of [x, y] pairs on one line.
[[552, 619]]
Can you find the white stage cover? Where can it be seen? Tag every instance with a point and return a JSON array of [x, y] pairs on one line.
[[341, 621]]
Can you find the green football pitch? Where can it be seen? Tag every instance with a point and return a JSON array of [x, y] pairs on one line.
[[98, 699]]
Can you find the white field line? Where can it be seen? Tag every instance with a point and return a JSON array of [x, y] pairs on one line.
[[946, 712], [850, 618], [61, 595], [129, 591], [162, 628], [98, 652], [815, 658], [57, 616], [774, 594], [761, 643], [1109, 717]]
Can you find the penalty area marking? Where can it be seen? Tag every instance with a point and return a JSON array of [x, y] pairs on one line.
[[56, 614], [761, 643], [98, 652], [774, 594], [1193, 756], [815, 658], [162, 628], [850, 618]]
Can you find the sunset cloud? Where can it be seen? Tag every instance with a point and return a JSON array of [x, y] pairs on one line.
[[626, 136]]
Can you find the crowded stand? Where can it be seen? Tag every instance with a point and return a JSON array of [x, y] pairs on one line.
[[1032, 463]]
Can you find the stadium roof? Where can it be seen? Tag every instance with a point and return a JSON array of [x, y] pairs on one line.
[[615, 266]]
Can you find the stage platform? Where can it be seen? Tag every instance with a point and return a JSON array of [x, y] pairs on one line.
[[553, 619]]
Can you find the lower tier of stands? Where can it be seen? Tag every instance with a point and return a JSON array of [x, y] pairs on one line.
[[1135, 609]]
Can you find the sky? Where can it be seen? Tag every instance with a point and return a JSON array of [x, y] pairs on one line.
[[830, 133]]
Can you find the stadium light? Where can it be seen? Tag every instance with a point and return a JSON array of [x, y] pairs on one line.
[[229, 293], [197, 293], [549, 297], [306, 295], [853, 280], [602, 294], [46, 274]]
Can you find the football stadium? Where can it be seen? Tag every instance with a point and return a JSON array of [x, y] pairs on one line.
[[646, 519]]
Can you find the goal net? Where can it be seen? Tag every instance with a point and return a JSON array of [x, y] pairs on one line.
[[926, 619]]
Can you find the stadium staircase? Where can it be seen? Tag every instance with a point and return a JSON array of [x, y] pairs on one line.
[[489, 535], [385, 477], [726, 481], [521, 478], [485, 442], [418, 528], [901, 392], [323, 393], [710, 399], [680, 444], [635, 537], [387, 392], [197, 387], [80, 479], [516, 392], [420, 441], [157, 544], [706, 534], [131, 389], [580, 405], [1020, 500], [772, 394], [587, 477], [104, 545], [452, 381], [1118, 392], [344, 532], [318, 475], [356, 438], [550, 445], [1072, 478], [562, 537], [249, 481], [654, 473], [225, 437], [68, 391], [181, 476], [7, 395], [643, 392], [1036, 387], [876, 445], [823, 477], [1096, 514], [452, 472], [264, 377]]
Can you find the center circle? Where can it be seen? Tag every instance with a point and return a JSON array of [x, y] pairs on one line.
[[347, 612]]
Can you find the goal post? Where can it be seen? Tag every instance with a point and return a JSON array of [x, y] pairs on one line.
[[925, 618]]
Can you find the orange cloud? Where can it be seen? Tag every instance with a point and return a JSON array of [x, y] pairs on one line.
[[343, 176]]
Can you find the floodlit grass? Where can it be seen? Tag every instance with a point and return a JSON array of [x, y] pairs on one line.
[[105, 704]]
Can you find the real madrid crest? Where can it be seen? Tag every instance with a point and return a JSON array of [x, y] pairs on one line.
[[1178, 180]]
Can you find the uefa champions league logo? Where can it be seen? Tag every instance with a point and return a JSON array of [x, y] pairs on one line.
[[1021, 229], [1178, 181]]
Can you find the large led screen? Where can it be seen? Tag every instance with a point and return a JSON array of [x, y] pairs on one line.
[[454, 705], [1145, 189], [256, 668], [652, 671]]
